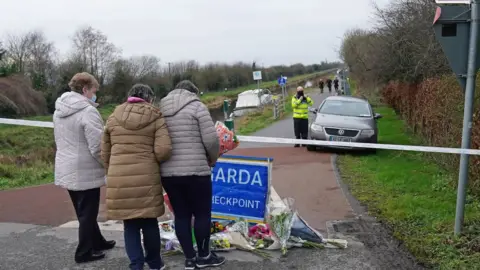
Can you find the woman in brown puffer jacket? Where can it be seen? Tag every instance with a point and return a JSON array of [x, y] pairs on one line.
[[135, 142]]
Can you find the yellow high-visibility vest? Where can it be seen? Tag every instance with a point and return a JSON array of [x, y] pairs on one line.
[[300, 109]]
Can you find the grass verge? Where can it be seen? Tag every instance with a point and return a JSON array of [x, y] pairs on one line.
[[415, 197]]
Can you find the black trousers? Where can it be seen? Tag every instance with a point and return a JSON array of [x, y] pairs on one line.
[[191, 196], [86, 204], [151, 242], [300, 126]]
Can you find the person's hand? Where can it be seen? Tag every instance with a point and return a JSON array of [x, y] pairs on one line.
[[211, 164], [301, 98]]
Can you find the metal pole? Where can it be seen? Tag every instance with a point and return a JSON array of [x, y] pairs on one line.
[[467, 117], [275, 109]]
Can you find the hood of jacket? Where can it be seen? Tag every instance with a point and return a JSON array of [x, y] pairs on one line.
[[70, 103], [136, 114], [176, 100]]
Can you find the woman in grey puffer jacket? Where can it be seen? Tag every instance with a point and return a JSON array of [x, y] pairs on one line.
[[186, 176]]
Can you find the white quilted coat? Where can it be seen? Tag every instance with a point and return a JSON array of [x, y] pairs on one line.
[[78, 129]]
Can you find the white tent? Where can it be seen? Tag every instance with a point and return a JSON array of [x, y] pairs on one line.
[[251, 100]]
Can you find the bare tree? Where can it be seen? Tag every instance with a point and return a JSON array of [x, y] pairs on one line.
[[41, 53], [2, 51], [401, 46], [18, 47], [95, 51], [66, 68], [145, 65], [33, 55]]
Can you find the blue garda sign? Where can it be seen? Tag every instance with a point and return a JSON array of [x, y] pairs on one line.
[[241, 187]]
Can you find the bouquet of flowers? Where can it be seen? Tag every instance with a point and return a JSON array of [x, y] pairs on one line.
[[241, 243], [260, 235], [219, 226], [280, 220], [259, 231], [228, 139], [168, 238], [302, 230], [220, 242], [240, 225], [239, 232]]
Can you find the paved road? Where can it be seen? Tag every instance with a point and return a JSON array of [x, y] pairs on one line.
[[284, 128], [25, 247]]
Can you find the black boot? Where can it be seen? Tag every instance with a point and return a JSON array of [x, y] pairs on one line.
[[296, 145], [107, 245], [94, 256]]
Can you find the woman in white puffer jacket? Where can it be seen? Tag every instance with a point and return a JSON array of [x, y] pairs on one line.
[[78, 129]]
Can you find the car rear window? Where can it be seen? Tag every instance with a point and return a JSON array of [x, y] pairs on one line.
[[346, 108]]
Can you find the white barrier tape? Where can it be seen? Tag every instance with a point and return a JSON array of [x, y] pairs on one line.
[[257, 139], [30, 123], [360, 145]]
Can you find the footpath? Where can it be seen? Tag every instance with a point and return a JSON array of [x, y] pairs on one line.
[[38, 228]]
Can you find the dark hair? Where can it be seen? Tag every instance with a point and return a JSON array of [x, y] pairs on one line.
[[141, 91], [187, 85]]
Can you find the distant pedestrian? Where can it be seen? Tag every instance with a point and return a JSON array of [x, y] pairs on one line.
[[329, 85], [78, 129], [335, 84], [321, 85], [186, 176], [300, 104], [134, 143]]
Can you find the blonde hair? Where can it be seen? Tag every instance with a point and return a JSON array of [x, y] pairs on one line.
[[81, 80]]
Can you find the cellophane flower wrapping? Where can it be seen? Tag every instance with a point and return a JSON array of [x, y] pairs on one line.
[[221, 241], [228, 139], [240, 225], [280, 220], [168, 237]]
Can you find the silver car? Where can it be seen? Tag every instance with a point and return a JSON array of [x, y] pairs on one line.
[[344, 119]]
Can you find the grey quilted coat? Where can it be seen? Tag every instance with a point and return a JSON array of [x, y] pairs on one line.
[[194, 138]]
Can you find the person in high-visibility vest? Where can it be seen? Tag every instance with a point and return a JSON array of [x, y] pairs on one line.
[[300, 104]]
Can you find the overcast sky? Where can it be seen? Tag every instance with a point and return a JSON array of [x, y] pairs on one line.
[[268, 31]]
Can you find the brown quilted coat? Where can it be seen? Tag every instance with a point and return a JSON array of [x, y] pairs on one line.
[[134, 142]]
